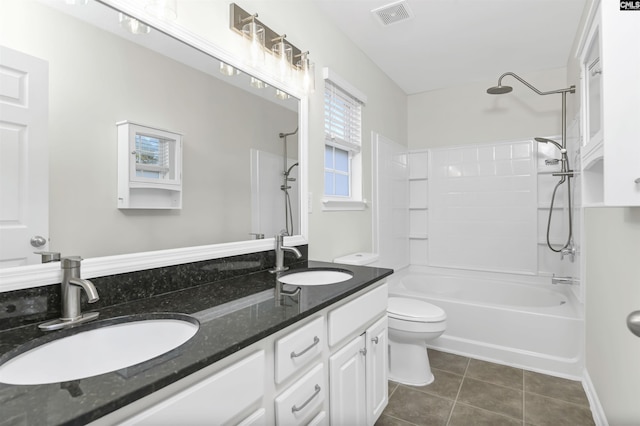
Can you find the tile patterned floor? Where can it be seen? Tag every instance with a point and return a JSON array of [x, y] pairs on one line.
[[468, 391]]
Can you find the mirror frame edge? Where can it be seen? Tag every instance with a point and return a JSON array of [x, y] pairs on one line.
[[29, 276]]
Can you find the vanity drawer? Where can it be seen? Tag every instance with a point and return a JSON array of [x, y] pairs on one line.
[[352, 316], [298, 348], [302, 400]]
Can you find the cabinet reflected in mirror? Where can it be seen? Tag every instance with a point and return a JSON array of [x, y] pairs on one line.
[[237, 181]]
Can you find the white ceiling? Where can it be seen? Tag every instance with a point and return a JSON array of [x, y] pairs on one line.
[[453, 42]]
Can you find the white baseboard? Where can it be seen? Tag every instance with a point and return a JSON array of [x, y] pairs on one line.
[[596, 408]]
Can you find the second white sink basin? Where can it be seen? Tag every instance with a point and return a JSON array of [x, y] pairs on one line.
[[97, 351], [315, 277]]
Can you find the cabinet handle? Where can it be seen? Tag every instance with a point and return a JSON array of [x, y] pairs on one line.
[[363, 351], [316, 340], [637, 180], [596, 71], [295, 409], [375, 340]]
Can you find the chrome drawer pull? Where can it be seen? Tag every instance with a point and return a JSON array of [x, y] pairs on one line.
[[637, 180], [316, 340], [375, 340], [295, 409]]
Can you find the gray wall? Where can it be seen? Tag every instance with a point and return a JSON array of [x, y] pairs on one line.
[[612, 292]]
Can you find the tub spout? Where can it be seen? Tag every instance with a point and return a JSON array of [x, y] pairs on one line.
[[563, 280]]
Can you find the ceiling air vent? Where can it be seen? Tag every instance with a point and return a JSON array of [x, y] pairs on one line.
[[393, 13]]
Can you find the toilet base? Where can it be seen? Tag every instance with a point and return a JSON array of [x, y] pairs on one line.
[[409, 364]]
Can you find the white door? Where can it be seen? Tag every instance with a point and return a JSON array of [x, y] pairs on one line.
[[24, 158], [347, 396], [377, 356]]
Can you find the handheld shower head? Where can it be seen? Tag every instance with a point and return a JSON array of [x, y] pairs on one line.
[[563, 152], [545, 140], [499, 90]]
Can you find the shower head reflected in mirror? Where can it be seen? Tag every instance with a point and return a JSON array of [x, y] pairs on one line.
[[499, 90], [545, 140]]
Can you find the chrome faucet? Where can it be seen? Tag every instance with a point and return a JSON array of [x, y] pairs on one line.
[[280, 249], [70, 296], [570, 251], [563, 280]]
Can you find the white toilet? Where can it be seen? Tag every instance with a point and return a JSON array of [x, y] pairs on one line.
[[412, 323]]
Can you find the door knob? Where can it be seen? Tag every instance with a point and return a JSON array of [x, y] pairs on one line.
[[633, 322], [38, 241]]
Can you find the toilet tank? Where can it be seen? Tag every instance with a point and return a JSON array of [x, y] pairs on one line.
[[358, 259]]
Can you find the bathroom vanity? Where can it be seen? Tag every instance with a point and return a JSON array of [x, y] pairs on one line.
[[317, 355]]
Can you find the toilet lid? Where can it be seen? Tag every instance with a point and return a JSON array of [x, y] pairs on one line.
[[414, 310]]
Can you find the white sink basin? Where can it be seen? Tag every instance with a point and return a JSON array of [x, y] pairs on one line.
[[97, 351], [315, 277]]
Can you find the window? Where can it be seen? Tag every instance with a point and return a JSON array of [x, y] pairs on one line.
[[343, 140], [149, 167], [152, 157]]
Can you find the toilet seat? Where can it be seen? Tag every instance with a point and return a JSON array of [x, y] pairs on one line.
[[406, 309]]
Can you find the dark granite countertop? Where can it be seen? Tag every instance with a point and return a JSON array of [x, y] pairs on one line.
[[233, 314]]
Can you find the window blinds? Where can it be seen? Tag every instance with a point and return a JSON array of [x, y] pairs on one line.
[[342, 118]]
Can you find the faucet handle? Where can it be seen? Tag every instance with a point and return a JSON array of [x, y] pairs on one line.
[[71, 262], [48, 256]]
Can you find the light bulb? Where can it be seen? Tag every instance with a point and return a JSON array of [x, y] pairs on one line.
[[255, 34], [163, 9], [308, 69], [283, 52], [257, 83], [228, 70], [133, 25], [282, 95]]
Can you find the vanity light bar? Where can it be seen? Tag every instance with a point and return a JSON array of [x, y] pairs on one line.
[[238, 17]]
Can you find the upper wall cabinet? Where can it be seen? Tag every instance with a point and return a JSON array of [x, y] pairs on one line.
[[610, 106]]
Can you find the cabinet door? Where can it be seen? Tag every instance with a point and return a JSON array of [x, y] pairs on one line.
[[347, 384], [377, 359]]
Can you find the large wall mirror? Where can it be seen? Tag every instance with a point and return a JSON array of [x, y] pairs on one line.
[[240, 142]]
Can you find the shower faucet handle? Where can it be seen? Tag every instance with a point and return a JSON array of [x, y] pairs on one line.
[[568, 251]]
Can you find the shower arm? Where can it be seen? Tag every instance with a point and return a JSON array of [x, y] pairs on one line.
[[570, 89]]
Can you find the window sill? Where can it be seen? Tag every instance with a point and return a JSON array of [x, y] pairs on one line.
[[330, 205]]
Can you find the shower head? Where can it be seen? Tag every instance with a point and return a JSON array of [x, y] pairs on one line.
[[289, 170], [284, 135], [545, 140], [499, 90]]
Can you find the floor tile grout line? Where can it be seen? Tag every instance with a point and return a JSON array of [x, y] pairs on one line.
[[489, 411], [524, 399], [393, 391], [455, 401], [402, 420], [555, 398]]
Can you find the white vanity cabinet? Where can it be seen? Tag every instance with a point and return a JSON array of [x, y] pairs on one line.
[[328, 368], [358, 369], [610, 103]]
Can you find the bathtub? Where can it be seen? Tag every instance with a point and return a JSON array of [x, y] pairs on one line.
[[529, 325]]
